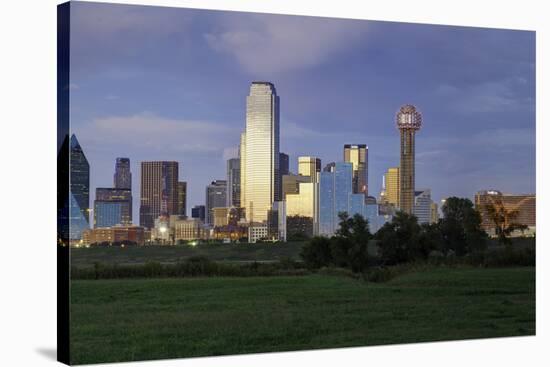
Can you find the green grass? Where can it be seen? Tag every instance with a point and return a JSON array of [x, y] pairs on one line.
[[139, 319], [172, 254]]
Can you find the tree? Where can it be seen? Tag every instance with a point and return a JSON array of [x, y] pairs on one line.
[[461, 227], [316, 253], [399, 240], [504, 220]]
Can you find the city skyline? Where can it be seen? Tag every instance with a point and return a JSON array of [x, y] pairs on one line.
[[478, 100]]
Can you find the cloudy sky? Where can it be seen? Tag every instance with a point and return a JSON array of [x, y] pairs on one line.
[[153, 83]]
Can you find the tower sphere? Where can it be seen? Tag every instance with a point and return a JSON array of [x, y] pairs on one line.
[[408, 118]]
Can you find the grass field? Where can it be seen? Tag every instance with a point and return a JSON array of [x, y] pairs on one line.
[[172, 254], [140, 319]]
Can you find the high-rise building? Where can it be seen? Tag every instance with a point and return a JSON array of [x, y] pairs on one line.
[[234, 183], [423, 206], [309, 166], [199, 212], [524, 204], [123, 175], [391, 186], [182, 198], [261, 184], [276, 224], [435, 212], [216, 197], [112, 207], [409, 121], [79, 195], [304, 202], [291, 183], [335, 190], [358, 155], [283, 164], [159, 191]]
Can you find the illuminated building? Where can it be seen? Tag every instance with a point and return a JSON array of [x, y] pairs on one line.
[[291, 183], [309, 167], [188, 230], [79, 191], [409, 121], [182, 198], [357, 155], [159, 191], [216, 197], [112, 206], [391, 186], [123, 176], [115, 234], [260, 152]]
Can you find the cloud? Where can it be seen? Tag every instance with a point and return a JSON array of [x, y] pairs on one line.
[[273, 44], [150, 131]]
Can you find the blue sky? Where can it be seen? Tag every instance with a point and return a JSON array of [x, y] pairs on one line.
[[154, 83]]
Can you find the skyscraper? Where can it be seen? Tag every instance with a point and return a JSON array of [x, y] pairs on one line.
[[260, 152], [216, 197], [79, 196], [233, 183], [391, 186], [336, 196], [423, 206], [122, 176], [283, 164], [357, 154], [309, 166], [199, 212], [109, 201], [409, 120], [182, 198], [159, 191]]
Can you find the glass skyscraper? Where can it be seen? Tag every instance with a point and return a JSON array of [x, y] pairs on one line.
[[335, 196], [79, 195], [121, 197], [261, 184], [358, 154], [216, 197], [108, 213]]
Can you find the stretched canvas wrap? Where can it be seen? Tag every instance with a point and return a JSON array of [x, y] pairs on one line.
[[233, 182]]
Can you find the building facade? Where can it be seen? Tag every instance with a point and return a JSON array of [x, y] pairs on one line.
[[216, 197], [391, 186], [159, 191], [182, 198], [79, 190], [123, 176], [409, 121], [423, 206], [115, 234], [309, 167], [234, 183], [291, 183], [261, 179], [357, 155], [199, 212], [335, 190]]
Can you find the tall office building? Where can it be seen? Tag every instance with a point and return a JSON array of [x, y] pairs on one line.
[[159, 191], [409, 121], [234, 183], [216, 197], [261, 184], [283, 164], [242, 156], [112, 206], [525, 204], [199, 212], [358, 155], [391, 186], [335, 190], [309, 166], [182, 198], [79, 195], [291, 184], [123, 175], [423, 206]]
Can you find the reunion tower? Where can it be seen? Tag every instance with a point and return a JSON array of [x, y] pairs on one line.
[[409, 120]]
